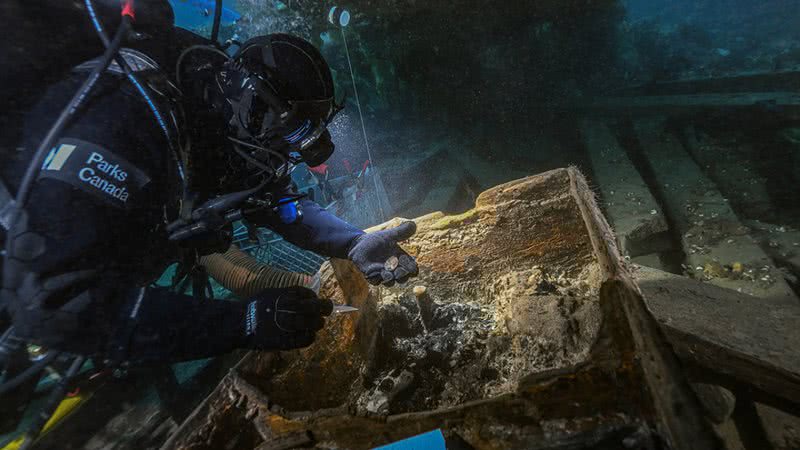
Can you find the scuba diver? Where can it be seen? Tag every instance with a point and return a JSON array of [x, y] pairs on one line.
[[121, 172]]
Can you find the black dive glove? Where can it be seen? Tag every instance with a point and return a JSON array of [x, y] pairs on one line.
[[380, 259], [284, 319]]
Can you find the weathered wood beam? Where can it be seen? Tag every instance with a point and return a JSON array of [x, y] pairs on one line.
[[734, 175], [761, 82], [637, 218], [712, 235], [287, 442], [742, 343], [201, 413], [613, 394], [784, 103], [679, 413]]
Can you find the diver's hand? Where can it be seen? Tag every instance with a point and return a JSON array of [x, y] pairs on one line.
[[284, 319], [380, 259]]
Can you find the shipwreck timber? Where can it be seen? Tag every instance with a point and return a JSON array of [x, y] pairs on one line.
[[578, 360], [530, 327], [534, 331]]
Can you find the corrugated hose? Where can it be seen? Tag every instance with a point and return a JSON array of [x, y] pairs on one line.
[[245, 276]]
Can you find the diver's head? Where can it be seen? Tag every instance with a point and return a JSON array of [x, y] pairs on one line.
[[279, 98]]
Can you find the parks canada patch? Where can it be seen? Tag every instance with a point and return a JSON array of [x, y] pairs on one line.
[[95, 170]]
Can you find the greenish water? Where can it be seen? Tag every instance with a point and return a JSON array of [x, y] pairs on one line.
[[457, 97]]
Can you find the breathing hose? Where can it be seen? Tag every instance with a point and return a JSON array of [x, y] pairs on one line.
[[245, 276], [67, 113], [28, 373]]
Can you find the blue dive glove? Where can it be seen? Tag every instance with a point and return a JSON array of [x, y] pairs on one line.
[[380, 259]]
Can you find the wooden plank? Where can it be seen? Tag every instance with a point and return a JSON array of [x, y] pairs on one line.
[[734, 175], [756, 82], [749, 342], [589, 400], [679, 413], [717, 245], [782, 244], [785, 103], [637, 218], [288, 441], [202, 411]]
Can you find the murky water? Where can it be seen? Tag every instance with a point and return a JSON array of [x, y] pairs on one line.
[[683, 114]]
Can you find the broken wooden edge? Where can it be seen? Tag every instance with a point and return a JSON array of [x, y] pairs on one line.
[[196, 416], [559, 394], [562, 393], [727, 338], [248, 390], [556, 395], [510, 407], [709, 362], [642, 230], [288, 441], [679, 414]]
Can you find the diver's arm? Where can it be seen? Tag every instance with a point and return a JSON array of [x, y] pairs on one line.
[[377, 255], [145, 325], [70, 292], [317, 230], [97, 317], [170, 327]]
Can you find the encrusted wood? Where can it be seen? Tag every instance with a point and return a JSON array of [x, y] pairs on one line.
[[526, 241]]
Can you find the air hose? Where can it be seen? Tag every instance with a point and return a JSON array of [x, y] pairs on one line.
[[28, 373], [245, 276]]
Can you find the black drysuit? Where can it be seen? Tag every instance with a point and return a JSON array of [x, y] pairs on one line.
[[95, 237]]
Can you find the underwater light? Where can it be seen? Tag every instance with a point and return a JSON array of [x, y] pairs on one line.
[[339, 16]]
